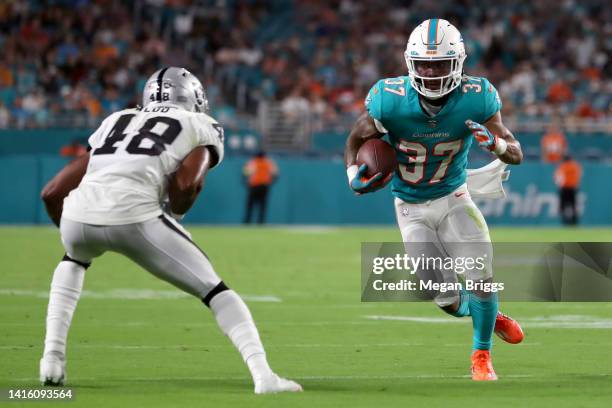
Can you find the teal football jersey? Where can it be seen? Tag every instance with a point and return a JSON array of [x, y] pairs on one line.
[[431, 150]]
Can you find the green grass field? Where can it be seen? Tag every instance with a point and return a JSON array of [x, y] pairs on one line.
[[135, 341]]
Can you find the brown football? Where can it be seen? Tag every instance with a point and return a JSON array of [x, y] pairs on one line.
[[378, 155]]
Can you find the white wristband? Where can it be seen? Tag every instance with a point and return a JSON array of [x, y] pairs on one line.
[[500, 146], [351, 172]]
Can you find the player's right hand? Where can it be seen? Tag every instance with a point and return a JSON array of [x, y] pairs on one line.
[[361, 184], [483, 136]]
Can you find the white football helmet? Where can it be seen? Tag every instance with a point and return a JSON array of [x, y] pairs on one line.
[[435, 40], [177, 86]]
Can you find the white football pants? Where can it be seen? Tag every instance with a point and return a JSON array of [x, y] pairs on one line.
[[450, 226]]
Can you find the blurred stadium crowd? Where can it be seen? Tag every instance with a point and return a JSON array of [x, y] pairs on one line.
[[70, 62]]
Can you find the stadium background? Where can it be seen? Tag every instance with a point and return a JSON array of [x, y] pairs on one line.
[[290, 77]]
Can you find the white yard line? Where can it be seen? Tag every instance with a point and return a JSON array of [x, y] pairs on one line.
[[416, 319], [307, 377], [272, 346], [307, 229], [130, 294], [218, 346], [40, 322], [538, 322]]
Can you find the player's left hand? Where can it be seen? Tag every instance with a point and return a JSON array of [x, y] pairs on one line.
[[361, 184], [165, 206], [483, 136]]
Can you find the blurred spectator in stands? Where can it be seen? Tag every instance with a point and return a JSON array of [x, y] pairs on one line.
[[5, 116], [586, 111], [560, 92], [18, 113], [104, 51], [25, 78], [295, 105], [259, 173], [34, 107], [322, 113], [111, 100], [567, 179], [553, 145], [154, 46], [240, 54], [74, 149], [67, 50], [521, 84], [6, 76], [545, 56]]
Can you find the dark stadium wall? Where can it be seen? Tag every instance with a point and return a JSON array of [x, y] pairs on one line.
[[314, 191]]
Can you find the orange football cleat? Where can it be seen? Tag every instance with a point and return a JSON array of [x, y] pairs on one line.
[[482, 368], [508, 329]]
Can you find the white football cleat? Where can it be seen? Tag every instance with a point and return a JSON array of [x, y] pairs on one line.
[[273, 383], [52, 371]]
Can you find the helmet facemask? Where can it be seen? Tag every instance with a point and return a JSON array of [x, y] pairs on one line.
[[201, 102], [434, 77]]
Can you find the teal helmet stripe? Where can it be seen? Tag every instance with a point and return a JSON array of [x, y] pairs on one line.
[[432, 34]]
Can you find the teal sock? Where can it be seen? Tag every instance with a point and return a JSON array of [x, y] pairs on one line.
[[464, 304], [484, 312]]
